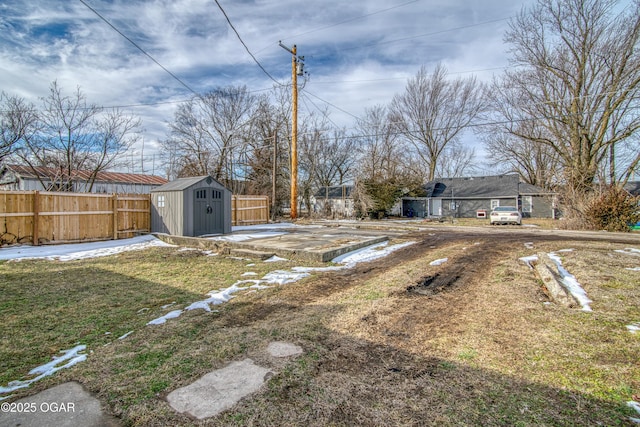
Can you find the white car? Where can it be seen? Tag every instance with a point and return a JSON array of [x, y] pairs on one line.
[[505, 215]]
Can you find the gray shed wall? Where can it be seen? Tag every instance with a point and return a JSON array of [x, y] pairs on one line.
[[170, 218]]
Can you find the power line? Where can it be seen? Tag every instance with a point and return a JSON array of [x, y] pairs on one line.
[[334, 106], [243, 44], [140, 49], [324, 114], [427, 34], [355, 18]]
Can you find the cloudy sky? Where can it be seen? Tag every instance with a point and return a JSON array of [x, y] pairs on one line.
[[357, 53]]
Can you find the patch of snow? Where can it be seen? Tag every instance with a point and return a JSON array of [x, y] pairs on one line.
[[249, 273], [73, 357], [77, 251], [566, 250], [571, 283], [143, 310], [439, 261], [369, 253], [529, 260], [250, 265], [125, 335], [350, 259], [531, 225], [635, 405], [628, 251], [164, 307], [528, 245], [223, 295], [170, 315], [634, 327], [633, 268], [282, 277], [275, 259]]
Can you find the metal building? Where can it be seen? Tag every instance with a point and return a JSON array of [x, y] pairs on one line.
[[193, 206]]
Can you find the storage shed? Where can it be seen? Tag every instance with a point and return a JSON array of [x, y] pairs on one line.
[[191, 207]]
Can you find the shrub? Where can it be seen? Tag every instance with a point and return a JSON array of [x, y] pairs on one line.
[[613, 210]]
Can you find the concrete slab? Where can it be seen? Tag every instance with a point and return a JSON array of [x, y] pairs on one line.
[[65, 405], [311, 242], [310, 246], [218, 390], [283, 349]]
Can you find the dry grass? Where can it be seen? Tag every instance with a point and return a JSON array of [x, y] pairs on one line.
[[487, 349]]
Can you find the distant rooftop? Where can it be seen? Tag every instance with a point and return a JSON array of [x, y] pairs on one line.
[[113, 177]]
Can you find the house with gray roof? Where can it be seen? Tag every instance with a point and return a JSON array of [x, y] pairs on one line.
[[470, 197]]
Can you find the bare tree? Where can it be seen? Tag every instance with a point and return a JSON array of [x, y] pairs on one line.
[[74, 136], [380, 153], [268, 149], [537, 164], [209, 131], [386, 168], [577, 77], [18, 123], [456, 160], [433, 112]]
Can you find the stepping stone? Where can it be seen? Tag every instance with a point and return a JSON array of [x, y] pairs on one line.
[[219, 390], [283, 349], [65, 405]]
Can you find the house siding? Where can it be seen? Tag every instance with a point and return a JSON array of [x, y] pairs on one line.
[[464, 197], [21, 178]]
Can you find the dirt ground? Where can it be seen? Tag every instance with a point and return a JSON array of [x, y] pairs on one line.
[[473, 341], [401, 342]]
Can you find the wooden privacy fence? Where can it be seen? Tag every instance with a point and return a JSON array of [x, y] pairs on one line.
[[249, 210], [47, 217]]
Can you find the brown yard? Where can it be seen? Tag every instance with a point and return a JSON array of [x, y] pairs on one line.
[[473, 341]]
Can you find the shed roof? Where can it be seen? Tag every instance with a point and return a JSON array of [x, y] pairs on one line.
[[181, 184]]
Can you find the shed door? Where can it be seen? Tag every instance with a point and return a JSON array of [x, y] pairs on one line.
[[207, 211]]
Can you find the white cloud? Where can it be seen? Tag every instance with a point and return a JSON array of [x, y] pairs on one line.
[[367, 49]]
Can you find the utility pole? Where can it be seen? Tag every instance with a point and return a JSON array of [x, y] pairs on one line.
[[297, 64], [274, 176]]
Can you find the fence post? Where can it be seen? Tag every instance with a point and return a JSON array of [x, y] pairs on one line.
[[234, 210], [36, 217], [115, 217]]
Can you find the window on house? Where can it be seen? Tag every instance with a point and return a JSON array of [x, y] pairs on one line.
[[495, 203], [161, 201], [527, 204]]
